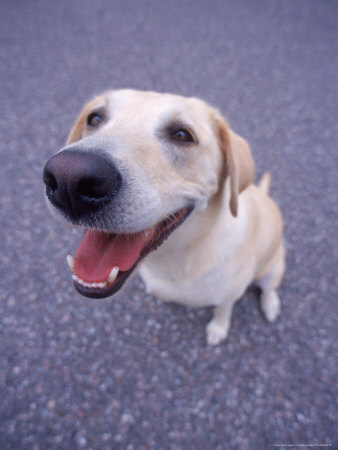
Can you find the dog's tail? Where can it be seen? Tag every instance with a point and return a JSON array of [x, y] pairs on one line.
[[264, 183]]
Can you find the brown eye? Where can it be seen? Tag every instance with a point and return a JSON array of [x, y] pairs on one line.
[[182, 135], [94, 119]]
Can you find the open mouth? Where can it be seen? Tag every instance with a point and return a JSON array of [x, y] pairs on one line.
[[104, 260]]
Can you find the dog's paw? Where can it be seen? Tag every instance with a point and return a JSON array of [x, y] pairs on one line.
[[216, 333], [270, 304]]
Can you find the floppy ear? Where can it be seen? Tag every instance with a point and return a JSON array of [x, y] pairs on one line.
[[76, 133], [240, 166]]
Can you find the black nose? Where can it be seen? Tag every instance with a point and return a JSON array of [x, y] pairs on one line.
[[80, 183]]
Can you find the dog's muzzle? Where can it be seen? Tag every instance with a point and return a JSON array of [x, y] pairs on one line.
[[80, 183]]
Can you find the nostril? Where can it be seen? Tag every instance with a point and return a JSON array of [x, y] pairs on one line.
[[91, 188], [50, 182], [96, 188]]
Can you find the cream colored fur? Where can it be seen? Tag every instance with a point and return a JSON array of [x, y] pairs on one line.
[[234, 235]]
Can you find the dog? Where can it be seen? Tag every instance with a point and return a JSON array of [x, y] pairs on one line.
[[161, 183]]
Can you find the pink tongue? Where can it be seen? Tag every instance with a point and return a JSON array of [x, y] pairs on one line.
[[99, 252]]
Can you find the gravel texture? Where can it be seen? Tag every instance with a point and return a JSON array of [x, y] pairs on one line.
[[133, 372]]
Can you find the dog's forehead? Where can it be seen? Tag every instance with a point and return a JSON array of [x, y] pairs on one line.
[[156, 106]]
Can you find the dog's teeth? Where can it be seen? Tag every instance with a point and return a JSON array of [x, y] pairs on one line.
[[99, 285], [70, 262], [148, 233], [113, 275]]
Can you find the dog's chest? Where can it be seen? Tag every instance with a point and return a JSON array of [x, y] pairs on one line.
[[196, 275], [180, 287]]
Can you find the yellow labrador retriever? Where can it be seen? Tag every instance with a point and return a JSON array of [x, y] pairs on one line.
[[161, 182]]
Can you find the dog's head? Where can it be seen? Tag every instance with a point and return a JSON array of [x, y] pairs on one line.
[[135, 166]]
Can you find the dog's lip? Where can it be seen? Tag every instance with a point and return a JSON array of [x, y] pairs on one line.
[[160, 232]]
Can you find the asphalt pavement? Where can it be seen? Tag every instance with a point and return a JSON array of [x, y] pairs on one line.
[[132, 372]]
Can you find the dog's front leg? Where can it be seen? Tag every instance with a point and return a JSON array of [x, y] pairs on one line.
[[218, 328]]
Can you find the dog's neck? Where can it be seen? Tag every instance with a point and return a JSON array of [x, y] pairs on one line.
[[186, 253]]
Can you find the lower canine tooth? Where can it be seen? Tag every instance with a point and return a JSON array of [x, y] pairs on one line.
[[113, 275], [70, 262]]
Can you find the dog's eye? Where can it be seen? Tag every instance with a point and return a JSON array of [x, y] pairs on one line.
[[94, 119], [182, 135]]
